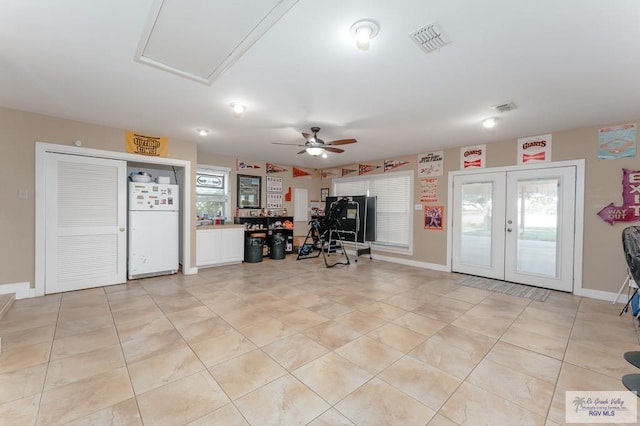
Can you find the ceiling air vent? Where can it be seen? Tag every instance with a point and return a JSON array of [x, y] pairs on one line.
[[429, 38], [508, 106]]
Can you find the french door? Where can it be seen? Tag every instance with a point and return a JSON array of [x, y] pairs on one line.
[[85, 238], [516, 226]]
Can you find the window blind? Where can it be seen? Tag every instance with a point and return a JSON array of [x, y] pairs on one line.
[[393, 204]]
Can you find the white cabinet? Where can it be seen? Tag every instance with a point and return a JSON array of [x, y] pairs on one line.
[[219, 246]]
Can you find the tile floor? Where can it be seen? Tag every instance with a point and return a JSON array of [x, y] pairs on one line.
[[290, 342]]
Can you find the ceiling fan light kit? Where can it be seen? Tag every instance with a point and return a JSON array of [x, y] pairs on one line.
[[314, 151], [315, 146], [363, 31]]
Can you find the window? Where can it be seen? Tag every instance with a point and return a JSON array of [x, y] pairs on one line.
[[393, 204], [212, 192]]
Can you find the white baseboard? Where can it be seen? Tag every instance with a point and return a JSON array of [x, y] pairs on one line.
[[189, 271], [21, 290], [601, 295], [402, 261]]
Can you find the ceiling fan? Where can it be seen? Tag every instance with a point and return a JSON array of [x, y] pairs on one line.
[[315, 146]]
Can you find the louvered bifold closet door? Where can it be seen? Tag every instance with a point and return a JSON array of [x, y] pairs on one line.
[[85, 222]]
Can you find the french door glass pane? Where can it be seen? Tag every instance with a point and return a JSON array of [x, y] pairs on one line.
[[537, 231], [476, 224]]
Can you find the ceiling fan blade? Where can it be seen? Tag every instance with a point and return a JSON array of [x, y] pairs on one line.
[[336, 150], [307, 137], [302, 152], [342, 142], [283, 143]]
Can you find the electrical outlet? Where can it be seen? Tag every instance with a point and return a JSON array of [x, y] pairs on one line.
[[23, 194]]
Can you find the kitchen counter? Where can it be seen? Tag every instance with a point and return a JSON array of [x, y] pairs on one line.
[[225, 226]]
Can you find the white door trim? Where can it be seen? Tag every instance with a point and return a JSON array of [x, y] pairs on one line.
[[42, 148], [579, 212]]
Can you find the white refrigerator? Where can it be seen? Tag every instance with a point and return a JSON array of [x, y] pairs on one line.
[[153, 230]]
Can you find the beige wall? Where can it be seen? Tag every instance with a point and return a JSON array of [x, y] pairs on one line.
[[18, 135], [312, 185], [604, 267]]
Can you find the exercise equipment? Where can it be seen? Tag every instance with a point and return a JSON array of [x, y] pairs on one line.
[[324, 237]]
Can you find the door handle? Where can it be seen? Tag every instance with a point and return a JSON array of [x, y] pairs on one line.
[[121, 229], [509, 229]]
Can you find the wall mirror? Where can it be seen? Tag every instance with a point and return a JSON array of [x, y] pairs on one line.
[[249, 192]]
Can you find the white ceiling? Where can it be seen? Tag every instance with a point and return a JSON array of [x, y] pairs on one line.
[[565, 64]]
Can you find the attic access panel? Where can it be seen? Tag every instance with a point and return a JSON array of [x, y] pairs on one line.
[[200, 39]]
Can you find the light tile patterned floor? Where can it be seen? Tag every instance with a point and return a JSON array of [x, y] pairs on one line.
[[290, 342]]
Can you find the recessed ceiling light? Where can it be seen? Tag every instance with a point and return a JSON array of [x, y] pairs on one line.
[[363, 31], [202, 132], [489, 123], [238, 109], [324, 154]]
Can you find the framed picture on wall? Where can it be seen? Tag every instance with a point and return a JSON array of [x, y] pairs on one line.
[[249, 192], [324, 193]]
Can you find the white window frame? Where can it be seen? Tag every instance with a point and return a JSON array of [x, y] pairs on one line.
[[227, 186], [410, 217]]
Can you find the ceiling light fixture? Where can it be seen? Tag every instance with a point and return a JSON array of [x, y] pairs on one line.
[[202, 132], [363, 31], [314, 151], [238, 109], [489, 123]]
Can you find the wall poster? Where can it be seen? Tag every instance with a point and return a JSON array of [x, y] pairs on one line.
[[274, 184], [473, 157], [428, 190], [274, 201], [617, 142], [433, 218], [430, 164], [534, 149]]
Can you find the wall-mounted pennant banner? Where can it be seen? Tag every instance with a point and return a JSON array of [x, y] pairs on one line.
[[473, 157], [330, 174], [629, 211], [366, 168], [347, 172], [241, 165], [154, 146], [393, 164], [430, 164], [298, 173], [617, 142], [274, 168], [534, 149]]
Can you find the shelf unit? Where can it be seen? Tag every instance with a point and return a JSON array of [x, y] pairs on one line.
[[268, 224]]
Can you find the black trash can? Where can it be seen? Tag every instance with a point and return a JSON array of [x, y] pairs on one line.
[[253, 248], [276, 248]]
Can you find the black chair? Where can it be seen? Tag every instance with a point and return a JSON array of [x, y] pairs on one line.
[[631, 247]]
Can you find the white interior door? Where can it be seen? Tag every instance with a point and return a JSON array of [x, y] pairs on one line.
[[516, 226], [540, 215], [85, 238], [478, 224]]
